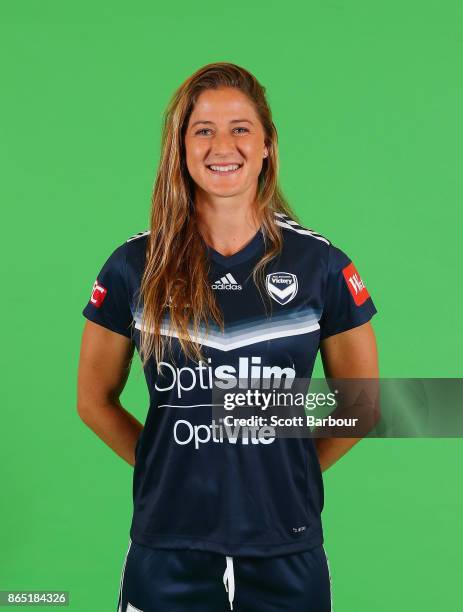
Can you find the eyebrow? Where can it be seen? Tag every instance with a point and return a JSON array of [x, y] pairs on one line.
[[232, 121]]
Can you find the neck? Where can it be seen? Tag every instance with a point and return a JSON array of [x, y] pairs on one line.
[[226, 226]]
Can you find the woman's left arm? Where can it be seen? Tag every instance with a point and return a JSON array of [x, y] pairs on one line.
[[349, 354]]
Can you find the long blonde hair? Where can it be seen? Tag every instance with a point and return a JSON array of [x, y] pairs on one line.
[[175, 279]]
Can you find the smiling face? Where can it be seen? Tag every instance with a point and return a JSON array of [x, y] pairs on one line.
[[225, 143]]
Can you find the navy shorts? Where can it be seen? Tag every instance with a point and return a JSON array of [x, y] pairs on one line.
[[167, 580]]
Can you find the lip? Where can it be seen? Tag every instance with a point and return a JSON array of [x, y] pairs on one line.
[[222, 173]]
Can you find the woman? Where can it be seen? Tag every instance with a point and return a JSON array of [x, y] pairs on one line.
[[226, 288]]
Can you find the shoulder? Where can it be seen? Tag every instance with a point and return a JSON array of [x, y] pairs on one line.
[[135, 246], [301, 240], [140, 236], [131, 251], [295, 235], [294, 231], [134, 243]]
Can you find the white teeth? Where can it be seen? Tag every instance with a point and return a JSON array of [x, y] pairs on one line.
[[225, 168]]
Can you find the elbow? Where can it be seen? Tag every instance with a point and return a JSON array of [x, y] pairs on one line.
[[82, 411], [85, 409], [90, 409]]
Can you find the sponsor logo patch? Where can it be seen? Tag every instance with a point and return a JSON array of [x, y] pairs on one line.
[[355, 284], [98, 294]]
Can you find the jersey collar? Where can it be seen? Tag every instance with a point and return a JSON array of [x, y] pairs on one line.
[[239, 257]]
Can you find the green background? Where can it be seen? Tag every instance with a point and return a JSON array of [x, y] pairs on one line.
[[367, 98]]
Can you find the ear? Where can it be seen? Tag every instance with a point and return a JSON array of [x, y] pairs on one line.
[[265, 152]]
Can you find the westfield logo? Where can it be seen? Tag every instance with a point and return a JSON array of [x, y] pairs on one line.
[[355, 284]]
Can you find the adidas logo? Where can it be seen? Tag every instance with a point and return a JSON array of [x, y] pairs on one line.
[[227, 282]]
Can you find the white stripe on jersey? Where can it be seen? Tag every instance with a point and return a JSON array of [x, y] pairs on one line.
[[139, 235], [283, 218], [289, 224], [227, 344], [287, 219]]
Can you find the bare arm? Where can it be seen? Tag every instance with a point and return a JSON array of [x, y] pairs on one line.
[[104, 366], [350, 354]]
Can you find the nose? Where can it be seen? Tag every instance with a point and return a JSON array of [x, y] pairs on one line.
[[223, 145]]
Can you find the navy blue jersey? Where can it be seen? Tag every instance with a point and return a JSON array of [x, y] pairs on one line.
[[193, 487]]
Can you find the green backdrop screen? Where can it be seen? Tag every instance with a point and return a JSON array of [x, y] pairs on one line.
[[367, 100]]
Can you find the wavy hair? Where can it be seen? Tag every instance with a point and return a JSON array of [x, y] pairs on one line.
[[176, 296]]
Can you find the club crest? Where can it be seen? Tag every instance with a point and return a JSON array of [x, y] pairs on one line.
[[281, 286]]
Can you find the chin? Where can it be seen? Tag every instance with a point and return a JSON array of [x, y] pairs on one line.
[[221, 190], [224, 193]]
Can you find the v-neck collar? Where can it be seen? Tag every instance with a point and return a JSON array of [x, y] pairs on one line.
[[227, 261]]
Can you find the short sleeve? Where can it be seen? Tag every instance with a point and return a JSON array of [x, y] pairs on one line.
[[347, 301], [109, 300]]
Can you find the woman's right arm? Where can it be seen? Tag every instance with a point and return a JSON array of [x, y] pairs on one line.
[[104, 366]]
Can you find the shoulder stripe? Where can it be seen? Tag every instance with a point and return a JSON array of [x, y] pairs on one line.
[[287, 219], [139, 235], [284, 221], [281, 219]]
